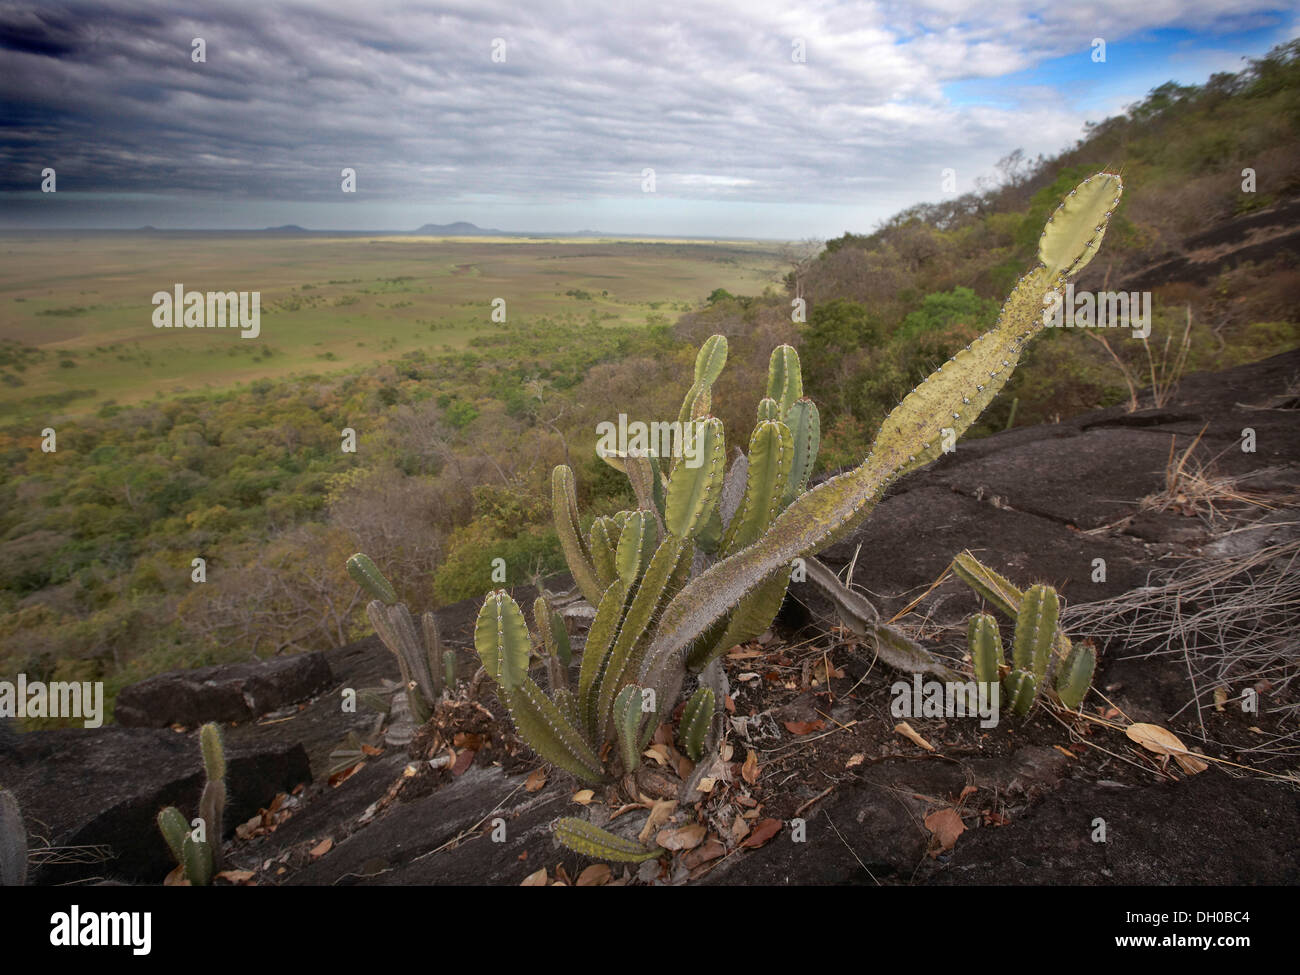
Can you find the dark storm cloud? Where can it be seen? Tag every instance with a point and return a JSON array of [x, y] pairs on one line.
[[589, 95]]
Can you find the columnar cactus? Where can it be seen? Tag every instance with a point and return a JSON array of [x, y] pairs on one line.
[[1036, 613], [696, 718], [600, 844], [197, 846], [425, 666], [655, 620]]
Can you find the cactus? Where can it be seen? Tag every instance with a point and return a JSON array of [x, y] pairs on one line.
[[634, 725], [1036, 613], [13, 842], [200, 858], [582, 837], [420, 658], [985, 648], [656, 618], [1075, 675], [368, 577], [1035, 630], [1020, 688], [696, 718]]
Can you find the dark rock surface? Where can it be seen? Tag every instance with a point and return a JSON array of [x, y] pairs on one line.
[[1024, 501], [102, 788], [226, 692]]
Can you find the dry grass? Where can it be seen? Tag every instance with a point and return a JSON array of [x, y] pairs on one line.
[[1164, 369], [1194, 488], [1233, 623]]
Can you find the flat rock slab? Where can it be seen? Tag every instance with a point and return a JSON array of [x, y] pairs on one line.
[[226, 692], [1207, 829], [103, 787]]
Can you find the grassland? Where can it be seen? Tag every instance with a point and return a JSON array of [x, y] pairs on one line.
[[75, 307]]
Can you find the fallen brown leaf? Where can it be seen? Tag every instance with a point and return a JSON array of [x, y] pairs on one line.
[[321, 848], [908, 732], [1161, 741], [763, 832], [946, 825], [683, 838], [536, 779], [537, 879], [749, 771], [596, 875], [804, 727]]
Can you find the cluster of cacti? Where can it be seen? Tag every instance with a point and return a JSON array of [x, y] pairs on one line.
[[197, 845], [1036, 613], [657, 619], [13, 842], [426, 668]]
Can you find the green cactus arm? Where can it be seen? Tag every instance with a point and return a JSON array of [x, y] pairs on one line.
[[1020, 688], [751, 618], [696, 718], [174, 829], [600, 641], [1075, 676], [634, 544], [197, 858], [987, 584], [433, 657], [651, 596], [366, 575], [836, 506], [564, 507], [214, 755], [601, 547], [396, 630], [693, 492], [985, 645], [784, 379], [212, 804], [1074, 231], [768, 409], [1036, 630], [549, 732], [804, 422], [582, 837], [647, 484], [631, 724], [771, 458], [708, 366], [449, 670], [501, 639]]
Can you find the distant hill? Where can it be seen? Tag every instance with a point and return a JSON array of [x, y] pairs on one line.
[[458, 229]]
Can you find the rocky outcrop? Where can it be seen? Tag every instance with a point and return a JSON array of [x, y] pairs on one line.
[[226, 692]]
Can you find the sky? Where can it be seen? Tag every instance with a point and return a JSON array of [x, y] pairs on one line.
[[545, 116]]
